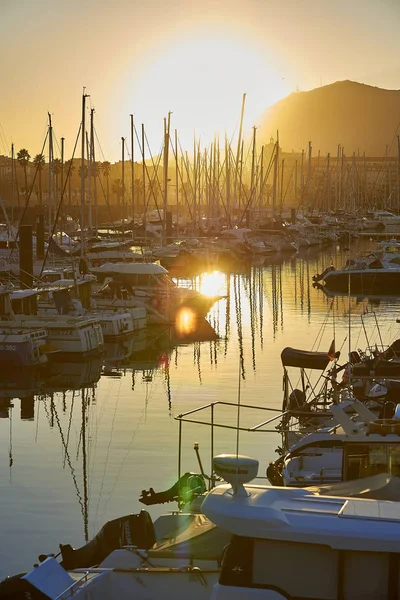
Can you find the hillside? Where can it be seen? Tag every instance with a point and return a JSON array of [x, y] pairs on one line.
[[359, 117]]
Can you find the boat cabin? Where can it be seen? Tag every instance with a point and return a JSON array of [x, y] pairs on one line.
[[293, 543], [126, 277]]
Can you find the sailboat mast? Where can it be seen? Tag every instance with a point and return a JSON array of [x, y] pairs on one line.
[[83, 173], [176, 182], [123, 185], [167, 123], [239, 145], [93, 172], [62, 186], [132, 174], [276, 159], [12, 184], [144, 183], [50, 172]]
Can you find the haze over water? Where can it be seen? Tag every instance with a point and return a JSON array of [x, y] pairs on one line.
[[72, 458]]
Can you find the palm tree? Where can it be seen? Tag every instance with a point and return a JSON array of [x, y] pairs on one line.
[[23, 157], [116, 186], [39, 162], [106, 168]]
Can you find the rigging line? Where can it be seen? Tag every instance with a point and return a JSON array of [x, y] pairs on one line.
[[60, 204], [21, 219], [10, 448], [69, 462], [37, 422], [108, 452], [69, 422], [134, 432]]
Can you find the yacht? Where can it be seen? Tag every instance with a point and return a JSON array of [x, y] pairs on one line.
[[283, 543], [71, 335], [20, 346], [129, 285], [292, 543], [358, 445], [74, 297]]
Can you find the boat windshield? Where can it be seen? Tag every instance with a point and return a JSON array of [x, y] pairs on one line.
[[365, 460]]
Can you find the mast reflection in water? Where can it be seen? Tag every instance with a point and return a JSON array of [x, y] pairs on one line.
[[81, 440]]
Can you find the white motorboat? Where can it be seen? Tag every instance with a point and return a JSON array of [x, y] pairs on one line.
[[117, 323], [20, 345], [129, 285], [358, 445], [284, 543], [291, 543], [75, 336]]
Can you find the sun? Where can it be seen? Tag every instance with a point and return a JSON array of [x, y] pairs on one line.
[[202, 80]]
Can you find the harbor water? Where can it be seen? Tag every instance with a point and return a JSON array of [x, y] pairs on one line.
[[80, 441]]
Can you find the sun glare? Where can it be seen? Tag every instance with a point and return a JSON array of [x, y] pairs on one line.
[[202, 80], [185, 322], [213, 284]]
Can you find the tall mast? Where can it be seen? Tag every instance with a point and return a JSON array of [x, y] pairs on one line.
[[83, 172], [94, 172], [50, 173], [176, 181], [275, 184], [260, 204], [328, 182], [90, 159], [239, 144], [398, 173], [228, 179], [165, 171], [12, 184], [194, 181], [123, 185], [132, 174], [253, 159], [309, 177], [144, 183], [62, 184]]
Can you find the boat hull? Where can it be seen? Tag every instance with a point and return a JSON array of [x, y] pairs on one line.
[[371, 281]]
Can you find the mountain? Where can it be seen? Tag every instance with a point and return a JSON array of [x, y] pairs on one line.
[[359, 117]]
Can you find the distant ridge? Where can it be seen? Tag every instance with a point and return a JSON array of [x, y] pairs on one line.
[[357, 116]]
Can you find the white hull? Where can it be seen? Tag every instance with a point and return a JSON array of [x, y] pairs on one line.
[[69, 335]]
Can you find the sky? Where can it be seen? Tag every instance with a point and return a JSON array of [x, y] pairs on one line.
[[191, 58]]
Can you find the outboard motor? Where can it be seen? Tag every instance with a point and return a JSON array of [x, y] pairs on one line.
[[131, 530]]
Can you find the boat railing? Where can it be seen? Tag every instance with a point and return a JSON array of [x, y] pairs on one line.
[[279, 429], [74, 587]]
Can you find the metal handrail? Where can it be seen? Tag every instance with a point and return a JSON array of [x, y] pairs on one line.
[[70, 591]]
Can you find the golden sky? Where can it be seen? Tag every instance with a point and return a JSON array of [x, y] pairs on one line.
[[193, 58]]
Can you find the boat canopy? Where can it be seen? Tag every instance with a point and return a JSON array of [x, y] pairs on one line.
[[135, 268], [304, 359]]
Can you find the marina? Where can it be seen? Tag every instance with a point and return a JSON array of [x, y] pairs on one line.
[[199, 301], [78, 439]]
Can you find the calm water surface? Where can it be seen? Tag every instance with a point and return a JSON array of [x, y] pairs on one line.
[[80, 442]]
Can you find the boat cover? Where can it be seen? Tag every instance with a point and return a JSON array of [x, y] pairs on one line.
[[200, 539], [378, 487], [304, 359]]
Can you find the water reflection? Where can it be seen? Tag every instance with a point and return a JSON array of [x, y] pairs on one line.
[[85, 438]]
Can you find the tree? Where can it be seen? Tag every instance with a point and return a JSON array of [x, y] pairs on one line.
[[116, 186], [39, 161], [23, 158]]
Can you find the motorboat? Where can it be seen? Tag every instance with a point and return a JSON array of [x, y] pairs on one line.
[[336, 547], [70, 335], [74, 297], [128, 285], [357, 445], [20, 345]]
